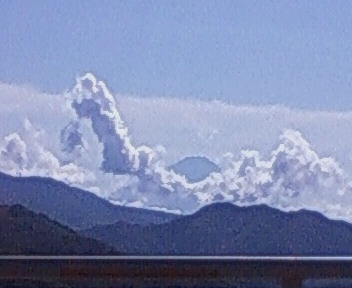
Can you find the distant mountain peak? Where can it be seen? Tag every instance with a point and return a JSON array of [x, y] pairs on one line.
[[195, 168]]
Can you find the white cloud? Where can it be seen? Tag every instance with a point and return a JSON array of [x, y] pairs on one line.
[[288, 175], [23, 154], [71, 138], [91, 99], [14, 153], [194, 127], [293, 177]]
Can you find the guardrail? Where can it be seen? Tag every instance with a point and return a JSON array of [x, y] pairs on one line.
[[289, 271]]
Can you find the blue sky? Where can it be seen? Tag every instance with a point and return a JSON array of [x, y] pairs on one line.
[[295, 53]]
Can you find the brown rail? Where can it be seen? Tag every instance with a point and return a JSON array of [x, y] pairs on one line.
[[289, 272]]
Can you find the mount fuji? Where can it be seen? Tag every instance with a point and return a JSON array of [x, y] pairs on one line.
[[195, 168]]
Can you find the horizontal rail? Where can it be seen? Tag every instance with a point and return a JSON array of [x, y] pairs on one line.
[[183, 258], [290, 271]]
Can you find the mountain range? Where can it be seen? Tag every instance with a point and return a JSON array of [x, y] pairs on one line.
[[80, 209], [41, 215], [226, 229], [23, 232], [70, 206]]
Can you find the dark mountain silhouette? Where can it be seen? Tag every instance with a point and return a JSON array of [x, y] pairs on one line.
[[23, 232], [73, 207], [195, 168], [225, 229]]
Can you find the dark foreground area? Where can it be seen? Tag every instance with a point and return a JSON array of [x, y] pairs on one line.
[[173, 272]]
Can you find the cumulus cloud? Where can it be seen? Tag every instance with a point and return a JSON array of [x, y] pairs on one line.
[[292, 177], [14, 152], [155, 185], [71, 137], [299, 171], [23, 154], [92, 100], [89, 144]]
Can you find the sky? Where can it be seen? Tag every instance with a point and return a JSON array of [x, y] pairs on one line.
[[293, 53]]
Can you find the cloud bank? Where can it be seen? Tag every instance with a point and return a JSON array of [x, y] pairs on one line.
[[22, 154], [95, 150]]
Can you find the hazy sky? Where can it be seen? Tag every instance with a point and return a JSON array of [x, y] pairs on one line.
[[295, 53]]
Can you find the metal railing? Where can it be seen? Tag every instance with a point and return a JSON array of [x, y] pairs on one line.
[[287, 271]]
